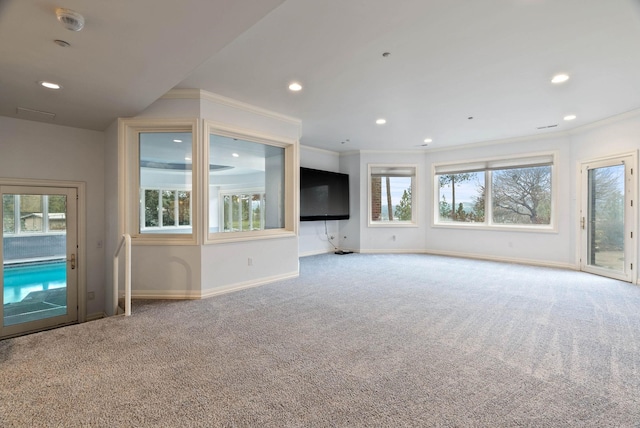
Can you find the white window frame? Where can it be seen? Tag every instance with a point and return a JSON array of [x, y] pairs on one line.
[[129, 179], [176, 208], [291, 183], [487, 165], [238, 192], [399, 169]]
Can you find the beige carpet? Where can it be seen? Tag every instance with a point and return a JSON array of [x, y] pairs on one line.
[[356, 341]]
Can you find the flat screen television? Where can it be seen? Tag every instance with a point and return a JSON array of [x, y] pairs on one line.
[[324, 195]]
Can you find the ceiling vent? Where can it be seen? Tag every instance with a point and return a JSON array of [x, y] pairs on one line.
[[71, 20]]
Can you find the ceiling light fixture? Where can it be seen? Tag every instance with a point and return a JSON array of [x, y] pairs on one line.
[[570, 117], [560, 78], [62, 43], [49, 85], [428, 140], [177, 141], [381, 121], [235, 155], [70, 19], [295, 87]]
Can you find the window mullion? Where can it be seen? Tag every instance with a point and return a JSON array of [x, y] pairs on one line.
[[488, 198]]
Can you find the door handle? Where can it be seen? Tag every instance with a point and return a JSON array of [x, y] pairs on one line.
[[73, 261]]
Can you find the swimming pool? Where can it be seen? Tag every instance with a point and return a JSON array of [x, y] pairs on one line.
[[21, 280]]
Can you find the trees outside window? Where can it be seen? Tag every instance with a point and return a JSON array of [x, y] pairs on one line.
[[502, 192], [392, 200]]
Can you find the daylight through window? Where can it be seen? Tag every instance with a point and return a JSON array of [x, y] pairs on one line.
[[392, 194], [515, 192]]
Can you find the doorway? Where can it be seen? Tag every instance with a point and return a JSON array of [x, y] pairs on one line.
[[39, 250], [607, 217]]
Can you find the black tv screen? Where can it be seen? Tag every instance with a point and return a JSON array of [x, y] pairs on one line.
[[324, 195]]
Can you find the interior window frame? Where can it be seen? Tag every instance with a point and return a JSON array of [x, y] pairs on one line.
[[129, 178], [291, 183]]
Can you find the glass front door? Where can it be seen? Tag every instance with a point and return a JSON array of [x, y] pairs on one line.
[[39, 255], [607, 220]]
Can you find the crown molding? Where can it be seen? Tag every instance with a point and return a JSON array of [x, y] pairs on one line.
[[200, 94]]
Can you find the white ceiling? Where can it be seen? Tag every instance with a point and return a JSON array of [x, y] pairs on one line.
[[449, 60]]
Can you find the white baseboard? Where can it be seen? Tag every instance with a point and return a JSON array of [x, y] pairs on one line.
[[532, 262], [96, 316], [201, 294], [248, 284]]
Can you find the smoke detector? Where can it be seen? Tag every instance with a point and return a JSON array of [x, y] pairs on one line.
[[71, 19]]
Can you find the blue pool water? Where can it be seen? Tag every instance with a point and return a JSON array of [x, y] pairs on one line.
[[22, 280]]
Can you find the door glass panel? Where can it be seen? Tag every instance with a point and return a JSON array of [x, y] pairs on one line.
[[605, 218], [34, 248]]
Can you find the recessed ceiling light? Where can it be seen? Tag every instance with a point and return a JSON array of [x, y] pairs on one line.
[[560, 78], [62, 43], [50, 85], [235, 155], [187, 158], [428, 140], [177, 141], [295, 87], [381, 121], [570, 117]]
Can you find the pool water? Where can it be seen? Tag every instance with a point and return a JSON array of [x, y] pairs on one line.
[[21, 280]]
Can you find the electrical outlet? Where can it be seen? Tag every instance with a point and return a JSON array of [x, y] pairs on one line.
[[249, 261], [91, 295]]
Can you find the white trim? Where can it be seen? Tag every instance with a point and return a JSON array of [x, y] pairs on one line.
[[128, 179], [414, 196], [197, 295], [630, 221], [200, 94], [81, 220], [488, 224], [291, 183], [476, 256]]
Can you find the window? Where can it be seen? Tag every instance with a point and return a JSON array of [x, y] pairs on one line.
[[243, 212], [174, 214], [165, 182], [160, 166], [392, 195], [249, 195], [33, 214], [502, 192]]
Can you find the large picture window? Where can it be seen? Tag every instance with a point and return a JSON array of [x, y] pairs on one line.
[[250, 185], [392, 195], [504, 192]]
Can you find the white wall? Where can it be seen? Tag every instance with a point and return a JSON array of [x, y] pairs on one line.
[[313, 235], [35, 150], [394, 239], [549, 248], [192, 271], [614, 136]]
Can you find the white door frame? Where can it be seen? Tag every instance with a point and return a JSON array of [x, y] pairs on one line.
[[80, 187], [630, 160]]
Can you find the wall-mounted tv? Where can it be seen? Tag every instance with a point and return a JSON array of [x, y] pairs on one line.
[[324, 195]]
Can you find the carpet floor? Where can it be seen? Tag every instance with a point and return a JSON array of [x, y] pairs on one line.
[[356, 341]]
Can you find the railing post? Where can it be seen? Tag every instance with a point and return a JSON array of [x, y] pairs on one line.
[[127, 277], [126, 242]]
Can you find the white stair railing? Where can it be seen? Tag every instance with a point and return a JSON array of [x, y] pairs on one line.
[[125, 242]]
